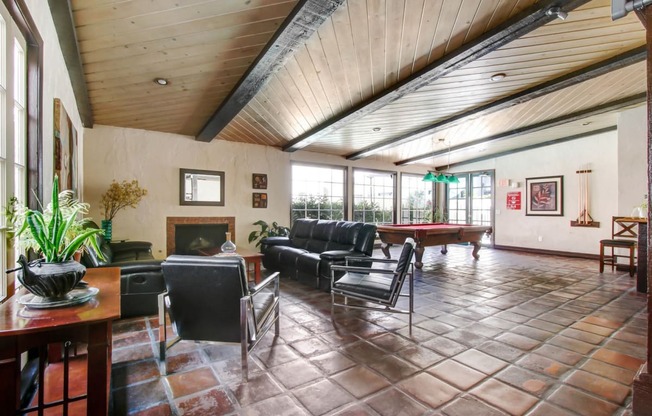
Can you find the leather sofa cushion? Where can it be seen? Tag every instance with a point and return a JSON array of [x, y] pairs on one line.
[[301, 233], [309, 262], [375, 285], [346, 233]]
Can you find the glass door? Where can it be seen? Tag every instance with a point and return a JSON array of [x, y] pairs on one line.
[[471, 200]]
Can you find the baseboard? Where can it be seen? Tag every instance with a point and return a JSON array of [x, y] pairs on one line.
[[548, 252]]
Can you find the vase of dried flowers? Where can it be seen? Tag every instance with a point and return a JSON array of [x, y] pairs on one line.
[[118, 197]]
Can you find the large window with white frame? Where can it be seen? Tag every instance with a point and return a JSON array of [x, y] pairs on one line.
[[13, 138], [374, 198], [318, 192], [417, 199]]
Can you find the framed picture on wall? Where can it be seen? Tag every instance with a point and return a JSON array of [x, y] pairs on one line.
[[259, 181], [544, 196], [260, 200]]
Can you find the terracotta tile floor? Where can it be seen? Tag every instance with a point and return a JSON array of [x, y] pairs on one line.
[[512, 333]]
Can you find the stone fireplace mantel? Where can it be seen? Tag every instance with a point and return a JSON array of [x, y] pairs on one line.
[[171, 222]]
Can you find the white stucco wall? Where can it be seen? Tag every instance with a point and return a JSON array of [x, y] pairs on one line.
[[56, 84], [632, 159], [514, 228], [155, 159]]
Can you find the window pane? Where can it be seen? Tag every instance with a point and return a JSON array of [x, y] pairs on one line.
[[416, 200], [317, 192], [373, 197]]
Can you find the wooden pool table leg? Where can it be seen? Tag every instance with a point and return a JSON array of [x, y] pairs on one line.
[[476, 248], [385, 249], [418, 254]]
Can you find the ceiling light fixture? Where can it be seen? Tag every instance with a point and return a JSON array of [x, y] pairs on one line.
[[557, 11], [497, 77], [376, 129], [441, 177], [161, 81]]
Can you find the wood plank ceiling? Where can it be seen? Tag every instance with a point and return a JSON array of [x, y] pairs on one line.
[[363, 50]]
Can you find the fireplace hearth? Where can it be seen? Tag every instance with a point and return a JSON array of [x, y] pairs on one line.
[[194, 235]]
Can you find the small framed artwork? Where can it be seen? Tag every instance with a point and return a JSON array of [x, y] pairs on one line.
[[260, 200], [260, 181], [544, 196]]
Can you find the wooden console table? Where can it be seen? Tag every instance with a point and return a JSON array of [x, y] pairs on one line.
[[22, 329]]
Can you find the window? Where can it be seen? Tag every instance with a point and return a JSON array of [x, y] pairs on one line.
[[373, 196], [471, 200], [416, 199], [318, 192], [13, 130]]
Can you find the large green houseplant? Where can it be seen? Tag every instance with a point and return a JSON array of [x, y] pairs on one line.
[[56, 233], [266, 230]]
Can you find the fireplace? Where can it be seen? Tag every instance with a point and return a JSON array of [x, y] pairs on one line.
[[192, 235]]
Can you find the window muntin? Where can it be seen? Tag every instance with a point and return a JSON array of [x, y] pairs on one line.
[[374, 196], [417, 199], [13, 127], [318, 192]]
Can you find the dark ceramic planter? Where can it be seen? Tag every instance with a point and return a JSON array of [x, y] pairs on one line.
[[50, 280]]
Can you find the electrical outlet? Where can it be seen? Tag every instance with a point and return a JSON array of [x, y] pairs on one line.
[[540, 239]]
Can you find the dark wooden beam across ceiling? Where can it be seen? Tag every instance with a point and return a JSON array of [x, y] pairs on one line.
[[65, 27], [519, 25], [302, 22], [600, 68], [569, 118], [532, 146]]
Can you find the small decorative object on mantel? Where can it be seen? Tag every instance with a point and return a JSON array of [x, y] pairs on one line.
[[119, 196], [228, 246], [584, 219], [259, 200], [56, 234], [259, 181]]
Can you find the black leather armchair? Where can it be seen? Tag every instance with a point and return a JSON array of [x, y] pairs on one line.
[[208, 299], [141, 278]]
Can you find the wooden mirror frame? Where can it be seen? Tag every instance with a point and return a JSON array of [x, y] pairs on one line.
[[182, 184]]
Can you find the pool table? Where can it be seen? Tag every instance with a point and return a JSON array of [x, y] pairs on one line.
[[431, 235]]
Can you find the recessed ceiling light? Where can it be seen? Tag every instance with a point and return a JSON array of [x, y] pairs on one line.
[[376, 129], [161, 81], [498, 77]]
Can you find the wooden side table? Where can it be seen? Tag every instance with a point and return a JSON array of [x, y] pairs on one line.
[[22, 329]]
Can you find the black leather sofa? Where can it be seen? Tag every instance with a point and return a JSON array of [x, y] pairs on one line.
[[141, 278], [313, 246]]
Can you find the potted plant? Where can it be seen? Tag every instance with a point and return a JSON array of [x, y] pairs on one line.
[[266, 231], [56, 234], [118, 197]]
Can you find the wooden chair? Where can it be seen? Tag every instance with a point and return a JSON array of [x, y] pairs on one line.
[[624, 236]]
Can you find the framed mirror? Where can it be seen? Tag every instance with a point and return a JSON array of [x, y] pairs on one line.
[[201, 187]]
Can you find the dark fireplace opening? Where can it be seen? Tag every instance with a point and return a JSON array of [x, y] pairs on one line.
[[199, 239]]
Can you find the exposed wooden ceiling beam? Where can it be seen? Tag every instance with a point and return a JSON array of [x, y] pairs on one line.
[[302, 22], [616, 62], [519, 25], [568, 118], [65, 27], [533, 146]]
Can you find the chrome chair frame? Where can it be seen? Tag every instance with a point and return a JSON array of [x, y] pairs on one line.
[[385, 305], [251, 330]]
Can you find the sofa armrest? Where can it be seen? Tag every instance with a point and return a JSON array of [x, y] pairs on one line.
[[131, 246], [339, 255], [276, 241]]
